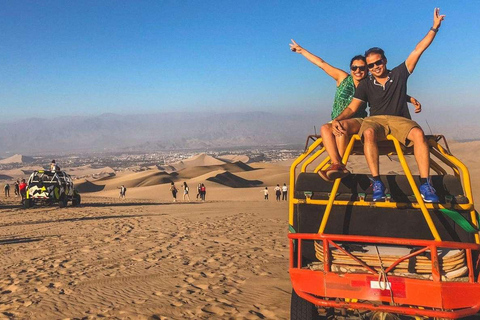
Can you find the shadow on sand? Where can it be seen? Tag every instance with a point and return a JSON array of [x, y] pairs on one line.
[[26, 223], [19, 240], [101, 205], [131, 204]]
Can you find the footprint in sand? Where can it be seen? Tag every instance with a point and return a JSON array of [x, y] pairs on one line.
[[27, 303], [41, 289], [213, 309], [10, 289], [177, 304], [263, 312], [139, 301]]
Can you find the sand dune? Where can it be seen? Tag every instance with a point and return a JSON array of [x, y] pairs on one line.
[[89, 171], [192, 172], [17, 158], [85, 186], [136, 179], [234, 158], [19, 173], [200, 160], [230, 180]]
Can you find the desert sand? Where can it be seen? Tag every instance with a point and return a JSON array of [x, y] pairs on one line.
[[146, 260], [145, 257]]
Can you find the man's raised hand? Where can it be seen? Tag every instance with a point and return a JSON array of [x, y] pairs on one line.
[[437, 18]]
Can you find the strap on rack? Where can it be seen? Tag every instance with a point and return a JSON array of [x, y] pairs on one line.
[[460, 220]]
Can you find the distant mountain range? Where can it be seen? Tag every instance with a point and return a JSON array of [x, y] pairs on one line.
[[162, 131]]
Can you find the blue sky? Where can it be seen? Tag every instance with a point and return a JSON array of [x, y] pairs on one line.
[[93, 57]]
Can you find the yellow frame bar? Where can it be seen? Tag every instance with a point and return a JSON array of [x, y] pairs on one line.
[[313, 158], [391, 205], [336, 184], [292, 177], [460, 170], [414, 187]]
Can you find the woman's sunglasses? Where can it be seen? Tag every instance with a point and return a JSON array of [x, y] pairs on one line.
[[354, 68], [376, 63]]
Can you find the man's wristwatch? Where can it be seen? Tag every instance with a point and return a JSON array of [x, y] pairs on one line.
[[434, 29]]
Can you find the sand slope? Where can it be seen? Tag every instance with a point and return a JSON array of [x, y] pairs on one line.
[[234, 158], [199, 160], [17, 158], [230, 180], [145, 260]]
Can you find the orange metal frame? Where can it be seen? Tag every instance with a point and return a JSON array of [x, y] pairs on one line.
[[415, 297]]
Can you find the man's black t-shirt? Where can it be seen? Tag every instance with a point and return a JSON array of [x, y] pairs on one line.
[[390, 99]]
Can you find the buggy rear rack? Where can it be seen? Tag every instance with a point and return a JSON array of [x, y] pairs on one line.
[[415, 297]]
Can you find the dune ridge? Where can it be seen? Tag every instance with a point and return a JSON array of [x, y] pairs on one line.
[[230, 180], [17, 158]]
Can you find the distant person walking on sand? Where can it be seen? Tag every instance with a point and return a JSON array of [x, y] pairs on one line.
[[284, 192], [15, 186], [278, 192], [123, 191], [199, 191], [174, 191], [203, 192], [265, 193], [185, 191], [23, 189], [7, 190]]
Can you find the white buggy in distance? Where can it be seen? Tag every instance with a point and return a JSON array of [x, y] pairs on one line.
[[49, 187]]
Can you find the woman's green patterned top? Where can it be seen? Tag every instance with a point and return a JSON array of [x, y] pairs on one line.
[[344, 96]]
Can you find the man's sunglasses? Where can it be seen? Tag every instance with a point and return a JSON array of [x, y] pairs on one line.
[[376, 63], [354, 68]]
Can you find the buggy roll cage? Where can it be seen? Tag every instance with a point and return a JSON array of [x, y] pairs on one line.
[[62, 177], [441, 153], [420, 297]]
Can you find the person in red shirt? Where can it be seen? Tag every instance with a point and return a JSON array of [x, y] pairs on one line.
[[23, 189]]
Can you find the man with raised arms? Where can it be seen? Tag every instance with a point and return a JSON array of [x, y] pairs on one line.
[[385, 92]]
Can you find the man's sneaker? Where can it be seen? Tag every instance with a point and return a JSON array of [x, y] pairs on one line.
[[378, 190], [428, 193], [335, 171]]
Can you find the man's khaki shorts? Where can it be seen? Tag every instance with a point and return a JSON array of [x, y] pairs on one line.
[[399, 127], [359, 120]]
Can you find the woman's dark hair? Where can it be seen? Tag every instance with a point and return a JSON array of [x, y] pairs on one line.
[[376, 50], [358, 57]]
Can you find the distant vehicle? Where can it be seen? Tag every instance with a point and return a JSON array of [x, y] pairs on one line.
[[51, 187]]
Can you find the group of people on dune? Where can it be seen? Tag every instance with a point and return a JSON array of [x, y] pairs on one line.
[[385, 92], [201, 191]]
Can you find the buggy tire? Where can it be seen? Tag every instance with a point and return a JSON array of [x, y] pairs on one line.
[[63, 201], [76, 200], [27, 203], [301, 309]]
